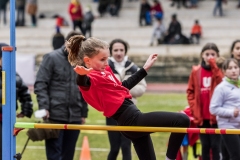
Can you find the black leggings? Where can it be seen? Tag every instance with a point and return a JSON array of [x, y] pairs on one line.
[[117, 141], [142, 142]]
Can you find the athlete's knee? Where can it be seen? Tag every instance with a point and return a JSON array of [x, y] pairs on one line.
[[184, 120]]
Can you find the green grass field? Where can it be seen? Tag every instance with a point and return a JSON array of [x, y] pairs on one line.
[[98, 140]]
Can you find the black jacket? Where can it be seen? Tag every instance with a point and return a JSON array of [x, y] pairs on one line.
[[22, 95], [56, 88]]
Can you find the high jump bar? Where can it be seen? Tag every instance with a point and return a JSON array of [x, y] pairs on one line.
[[126, 128]]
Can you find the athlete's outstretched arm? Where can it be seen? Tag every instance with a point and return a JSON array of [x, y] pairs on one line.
[[82, 78], [140, 74]]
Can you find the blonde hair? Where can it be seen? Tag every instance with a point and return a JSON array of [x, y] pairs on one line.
[[78, 47]]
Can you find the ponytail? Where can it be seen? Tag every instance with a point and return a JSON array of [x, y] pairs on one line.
[[73, 46]]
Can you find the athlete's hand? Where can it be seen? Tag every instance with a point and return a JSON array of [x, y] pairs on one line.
[[82, 70], [150, 61]]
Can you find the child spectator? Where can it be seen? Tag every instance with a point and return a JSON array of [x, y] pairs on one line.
[[60, 21], [158, 32], [225, 104], [235, 50], [196, 32], [157, 10], [201, 84]]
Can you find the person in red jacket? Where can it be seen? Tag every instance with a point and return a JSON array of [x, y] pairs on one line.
[[202, 81], [104, 92], [157, 10], [76, 14]]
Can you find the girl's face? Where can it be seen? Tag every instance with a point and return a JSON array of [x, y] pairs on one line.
[[98, 62], [118, 51], [207, 54], [236, 51], [232, 71]]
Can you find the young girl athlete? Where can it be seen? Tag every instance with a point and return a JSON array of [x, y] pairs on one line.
[[225, 104], [103, 91]]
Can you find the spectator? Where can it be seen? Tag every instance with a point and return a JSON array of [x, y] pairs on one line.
[[58, 39], [114, 7], [218, 6], [60, 21], [20, 6], [76, 14], [102, 6], [58, 93], [3, 10], [202, 81], [122, 69], [159, 31], [22, 94], [235, 50], [196, 32], [174, 31], [88, 19], [238, 6], [225, 104], [32, 10], [145, 14], [157, 10]]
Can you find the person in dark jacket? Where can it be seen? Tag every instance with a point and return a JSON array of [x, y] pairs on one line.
[[59, 95], [174, 30], [145, 13], [22, 94], [3, 10]]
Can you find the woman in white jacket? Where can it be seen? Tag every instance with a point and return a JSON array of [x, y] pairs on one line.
[[225, 104], [122, 69]]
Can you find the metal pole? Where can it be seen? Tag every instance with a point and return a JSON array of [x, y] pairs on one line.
[[9, 82], [8, 105]]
